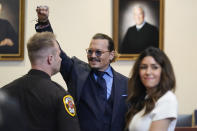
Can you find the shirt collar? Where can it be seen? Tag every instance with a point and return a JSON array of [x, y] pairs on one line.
[[109, 71], [39, 73], [140, 26]]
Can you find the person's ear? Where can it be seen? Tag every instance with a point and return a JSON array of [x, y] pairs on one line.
[[112, 55], [50, 59]]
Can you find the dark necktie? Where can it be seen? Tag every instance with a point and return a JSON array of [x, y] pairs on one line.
[[102, 84]]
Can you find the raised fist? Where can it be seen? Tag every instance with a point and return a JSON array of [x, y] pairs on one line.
[[42, 13]]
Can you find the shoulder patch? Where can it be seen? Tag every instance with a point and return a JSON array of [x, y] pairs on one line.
[[69, 105]]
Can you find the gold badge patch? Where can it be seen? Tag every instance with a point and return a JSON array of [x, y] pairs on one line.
[[69, 105]]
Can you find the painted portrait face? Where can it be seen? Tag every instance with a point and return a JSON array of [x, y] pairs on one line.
[[98, 54], [150, 72], [138, 15]]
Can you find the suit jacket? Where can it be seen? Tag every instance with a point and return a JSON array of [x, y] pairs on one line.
[[75, 73], [135, 41]]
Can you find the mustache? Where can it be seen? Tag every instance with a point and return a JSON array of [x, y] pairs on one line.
[[93, 59]]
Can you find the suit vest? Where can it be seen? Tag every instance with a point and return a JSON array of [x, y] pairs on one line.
[[94, 115]]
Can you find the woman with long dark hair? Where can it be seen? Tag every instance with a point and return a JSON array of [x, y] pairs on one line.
[[152, 102]]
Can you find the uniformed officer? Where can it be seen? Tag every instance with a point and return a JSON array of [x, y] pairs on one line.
[[45, 104]]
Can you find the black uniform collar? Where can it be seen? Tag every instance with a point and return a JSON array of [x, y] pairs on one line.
[[38, 73]]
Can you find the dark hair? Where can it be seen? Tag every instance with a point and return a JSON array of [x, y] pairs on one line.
[[110, 43], [137, 91], [104, 36]]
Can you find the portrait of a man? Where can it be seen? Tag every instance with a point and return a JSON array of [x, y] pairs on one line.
[[139, 26], [9, 27]]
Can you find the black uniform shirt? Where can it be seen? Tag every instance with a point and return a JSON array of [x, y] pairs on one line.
[[45, 104]]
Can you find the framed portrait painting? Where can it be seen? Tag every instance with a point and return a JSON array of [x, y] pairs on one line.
[[137, 25], [12, 29]]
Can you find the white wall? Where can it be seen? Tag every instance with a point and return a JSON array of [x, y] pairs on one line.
[[75, 22], [180, 45]]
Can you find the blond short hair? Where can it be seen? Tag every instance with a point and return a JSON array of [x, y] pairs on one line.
[[38, 44]]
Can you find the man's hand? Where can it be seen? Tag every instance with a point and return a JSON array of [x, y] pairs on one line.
[[7, 42], [42, 13]]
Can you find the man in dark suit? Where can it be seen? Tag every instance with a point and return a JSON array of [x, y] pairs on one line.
[[140, 36], [45, 105], [96, 111]]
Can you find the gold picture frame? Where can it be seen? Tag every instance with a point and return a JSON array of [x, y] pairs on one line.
[[12, 30], [123, 20]]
